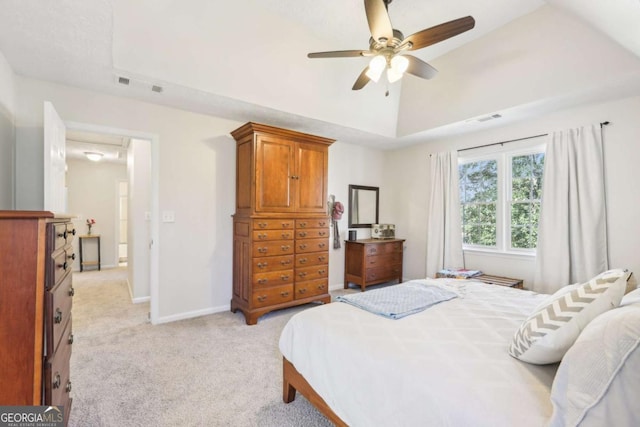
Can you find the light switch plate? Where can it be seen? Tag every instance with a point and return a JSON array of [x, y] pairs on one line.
[[168, 216]]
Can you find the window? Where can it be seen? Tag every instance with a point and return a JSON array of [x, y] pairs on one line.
[[500, 200]]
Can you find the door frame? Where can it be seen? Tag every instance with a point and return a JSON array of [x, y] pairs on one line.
[[154, 287]]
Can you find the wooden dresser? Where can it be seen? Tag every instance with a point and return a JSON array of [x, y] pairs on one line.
[[372, 261], [281, 226], [35, 307]]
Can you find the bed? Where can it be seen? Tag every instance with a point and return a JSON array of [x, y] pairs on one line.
[[447, 365]]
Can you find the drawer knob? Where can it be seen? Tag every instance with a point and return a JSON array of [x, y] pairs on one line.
[[322, 245], [303, 246], [285, 262], [72, 291], [73, 232], [56, 381], [262, 281], [285, 225], [262, 265], [63, 265], [322, 258], [303, 234], [70, 338], [302, 291], [58, 316], [262, 236], [320, 287], [322, 233], [303, 261], [263, 250], [262, 224], [284, 294], [285, 247], [302, 274], [303, 224], [72, 257], [321, 272], [284, 277], [286, 235], [68, 387], [261, 298]]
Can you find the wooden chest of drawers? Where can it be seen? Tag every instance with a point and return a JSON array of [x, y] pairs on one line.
[[372, 261], [36, 293], [280, 262]]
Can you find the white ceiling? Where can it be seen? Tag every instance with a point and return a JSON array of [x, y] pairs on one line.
[[246, 59]]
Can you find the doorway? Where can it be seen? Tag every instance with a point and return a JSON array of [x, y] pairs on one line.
[[142, 264]]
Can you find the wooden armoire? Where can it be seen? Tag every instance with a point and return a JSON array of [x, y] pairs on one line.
[[281, 225]]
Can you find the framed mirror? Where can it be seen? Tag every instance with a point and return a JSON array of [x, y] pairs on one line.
[[363, 206]]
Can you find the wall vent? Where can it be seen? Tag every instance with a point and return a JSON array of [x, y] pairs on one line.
[[123, 80], [487, 118], [156, 88]]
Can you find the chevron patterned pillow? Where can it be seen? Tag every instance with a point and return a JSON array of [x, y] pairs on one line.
[[554, 326]]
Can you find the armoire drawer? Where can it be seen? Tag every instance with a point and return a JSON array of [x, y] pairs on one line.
[[311, 245], [262, 235], [315, 258], [312, 272], [273, 278], [273, 224], [264, 297], [272, 263], [312, 233], [272, 248], [311, 288], [312, 223]]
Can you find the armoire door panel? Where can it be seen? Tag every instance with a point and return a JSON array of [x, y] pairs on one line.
[[311, 169], [274, 175]]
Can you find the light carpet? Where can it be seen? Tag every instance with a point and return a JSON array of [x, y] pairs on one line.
[[208, 371]]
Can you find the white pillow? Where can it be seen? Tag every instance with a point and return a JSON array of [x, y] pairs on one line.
[[631, 298], [551, 330], [598, 381]]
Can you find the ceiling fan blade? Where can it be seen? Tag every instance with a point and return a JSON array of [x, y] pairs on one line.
[[362, 80], [378, 19], [419, 68], [337, 54], [439, 33]]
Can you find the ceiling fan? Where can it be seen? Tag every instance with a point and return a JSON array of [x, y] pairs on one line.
[[387, 46]]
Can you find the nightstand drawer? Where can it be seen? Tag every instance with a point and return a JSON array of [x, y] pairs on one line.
[[383, 260], [384, 272]]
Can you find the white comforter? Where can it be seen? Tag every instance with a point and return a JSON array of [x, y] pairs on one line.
[[445, 366]]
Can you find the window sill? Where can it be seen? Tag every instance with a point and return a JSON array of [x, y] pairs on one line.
[[500, 254]]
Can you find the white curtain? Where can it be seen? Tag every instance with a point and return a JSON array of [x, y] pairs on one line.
[[572, 236], [444, 229]]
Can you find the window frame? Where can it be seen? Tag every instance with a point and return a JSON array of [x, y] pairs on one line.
[[504, 160]]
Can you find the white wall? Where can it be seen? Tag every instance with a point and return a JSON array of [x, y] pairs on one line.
[[351, 164], [7, 133], [407, 172], [92, 193], [138, 218]]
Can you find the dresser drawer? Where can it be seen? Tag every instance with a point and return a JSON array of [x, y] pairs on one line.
[[273, 278], [272, 248], [312, 272], [273, 263], [312, 233], [264, 297], [273, 224], [57, 382], [311, 245], [382, 260], [311, 288], [262, 235], [382, 273], [59, 301], [384, 248], [59, 266], [312, 223], [315, 258]]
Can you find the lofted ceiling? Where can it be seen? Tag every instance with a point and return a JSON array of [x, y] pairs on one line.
[[246, 60]]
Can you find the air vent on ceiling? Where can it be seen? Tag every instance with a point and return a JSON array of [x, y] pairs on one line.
[[123, 80], [156, 88], [486, 118]]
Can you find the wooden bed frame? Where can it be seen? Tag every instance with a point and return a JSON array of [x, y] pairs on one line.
[[292, 380]]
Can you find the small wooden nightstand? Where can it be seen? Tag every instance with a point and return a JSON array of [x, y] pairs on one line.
[[84, 263], [372, 261]]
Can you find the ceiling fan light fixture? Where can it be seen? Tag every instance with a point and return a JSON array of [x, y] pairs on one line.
[[376, 66], [93, 156], [397, 66]]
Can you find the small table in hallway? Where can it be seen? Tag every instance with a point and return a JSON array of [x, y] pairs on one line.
[[84, 263]]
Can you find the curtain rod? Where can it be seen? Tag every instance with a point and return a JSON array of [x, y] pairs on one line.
[[518, 139]]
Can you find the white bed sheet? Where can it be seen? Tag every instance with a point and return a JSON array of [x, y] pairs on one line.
[[445, 366]]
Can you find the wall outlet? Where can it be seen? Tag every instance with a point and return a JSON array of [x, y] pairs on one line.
[[168, 216]]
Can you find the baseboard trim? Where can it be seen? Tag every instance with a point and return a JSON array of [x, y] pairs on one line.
[[192, 314], [140, 300]]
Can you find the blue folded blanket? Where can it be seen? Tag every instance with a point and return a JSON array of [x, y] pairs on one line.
[[398, 301]]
